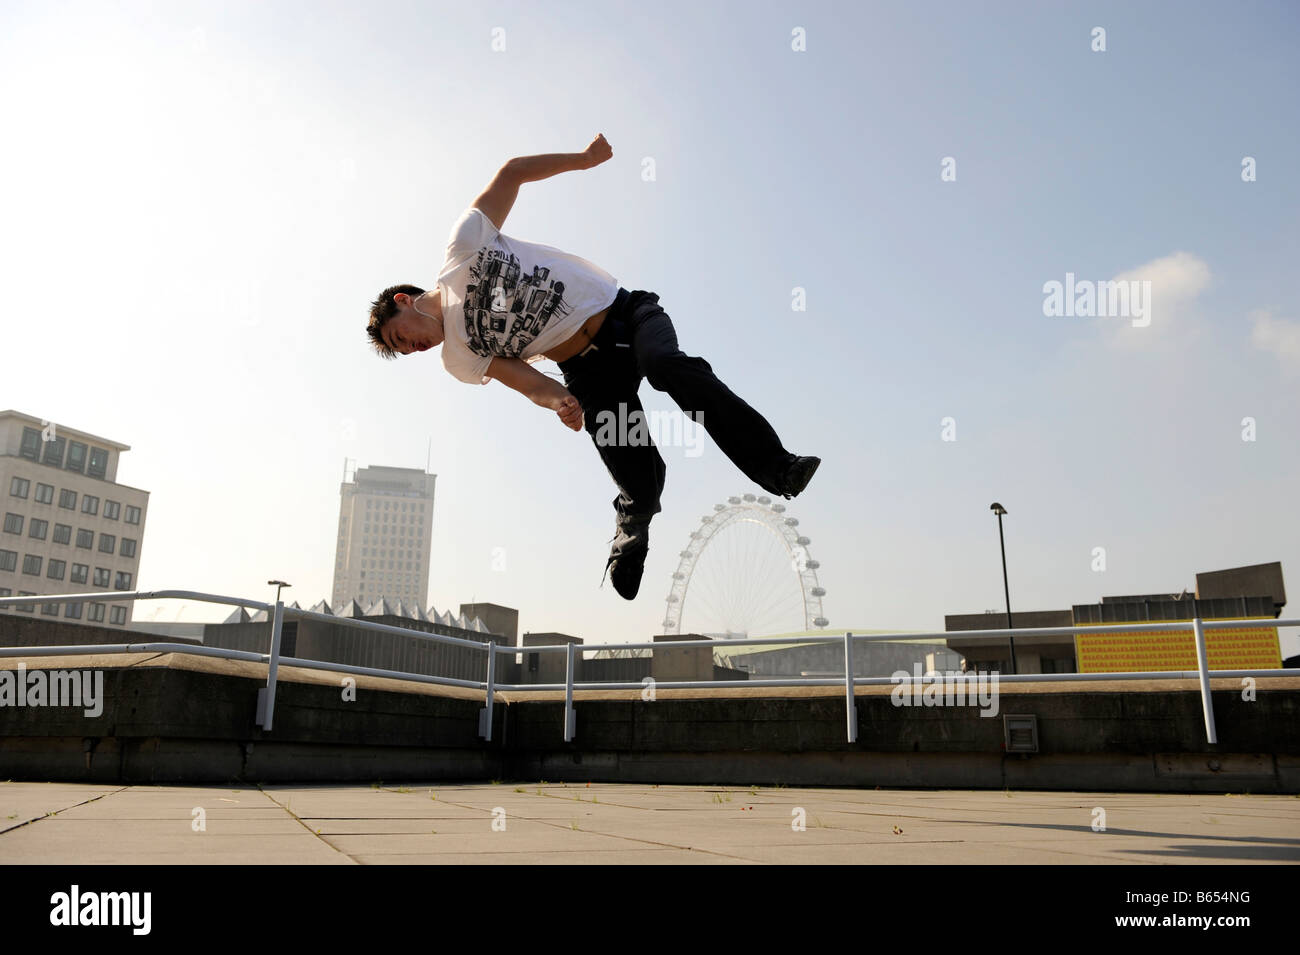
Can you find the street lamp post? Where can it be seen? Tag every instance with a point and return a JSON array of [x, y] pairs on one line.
[[999, 510], [278, 585]]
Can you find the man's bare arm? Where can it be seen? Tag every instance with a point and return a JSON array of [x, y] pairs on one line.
[[533, 168], [537, 388], [499, 197]]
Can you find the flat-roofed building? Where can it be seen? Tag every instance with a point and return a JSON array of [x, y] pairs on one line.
[[385, 536], [69, 526], [1253, 591]]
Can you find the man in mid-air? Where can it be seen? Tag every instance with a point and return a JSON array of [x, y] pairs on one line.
[[501, 304]]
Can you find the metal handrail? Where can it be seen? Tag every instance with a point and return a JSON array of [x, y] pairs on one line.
[[137, 595], [278, 612]]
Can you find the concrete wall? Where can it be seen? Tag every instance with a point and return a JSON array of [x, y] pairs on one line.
[[1216, 608], [603, 670], [1033, 654], [1263, 579], [1031, 619], [870, 658], [25, 630], [682, 664], [1046, 654], [549, 667], [498, 619], [336, 643], [163, 724]]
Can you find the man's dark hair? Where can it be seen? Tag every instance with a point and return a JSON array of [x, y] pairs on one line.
[[381, 310]]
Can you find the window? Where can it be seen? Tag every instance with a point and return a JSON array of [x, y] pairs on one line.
[[56, 569], [26, 608], [54, 452], [122, 581], [107, 543], [85, 538], [89, 504], [50, 610], [98, 462], [13, 523], [101, 576], [38, 528], [132, 514], [18, 487], [80, 573], [111, 509], [8, 560], [68, 499], [44, 493], [76, 457], [118, 615], [127, 547], [96, 614], [62, 533], [31, 446], [72, 611], [32, 564]]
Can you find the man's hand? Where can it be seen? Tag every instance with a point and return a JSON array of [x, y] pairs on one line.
[[567, 407], [537, 388], [598, 152]]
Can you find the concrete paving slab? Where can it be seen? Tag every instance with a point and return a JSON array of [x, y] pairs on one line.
[[942, 853], [611, 857], [365, 803], [21, 803], [66, 843], [216, 804], [520, 835], [558, 824]]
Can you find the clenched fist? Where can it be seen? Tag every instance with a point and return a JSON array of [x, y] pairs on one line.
[[570, 412], [598, 151]]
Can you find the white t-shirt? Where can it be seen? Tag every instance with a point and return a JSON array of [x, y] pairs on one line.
[[506, 297]]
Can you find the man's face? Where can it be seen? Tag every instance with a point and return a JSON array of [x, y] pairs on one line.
[[411, 331]]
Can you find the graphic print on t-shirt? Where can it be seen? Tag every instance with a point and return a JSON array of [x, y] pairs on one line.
[[523, 304]]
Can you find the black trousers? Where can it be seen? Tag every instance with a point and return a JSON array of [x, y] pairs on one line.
[[637, 340]]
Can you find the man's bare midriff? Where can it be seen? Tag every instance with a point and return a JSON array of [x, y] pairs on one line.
[[579, 340]]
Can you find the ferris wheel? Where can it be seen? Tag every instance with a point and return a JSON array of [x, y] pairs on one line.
[[748, 572]]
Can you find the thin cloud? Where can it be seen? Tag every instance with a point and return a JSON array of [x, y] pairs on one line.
[[1277, 335], [1176, 281]]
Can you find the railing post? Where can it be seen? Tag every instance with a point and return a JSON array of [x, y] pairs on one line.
[[570, 718], [850, 701], [485, 714], [266, 695], [1203, 665]]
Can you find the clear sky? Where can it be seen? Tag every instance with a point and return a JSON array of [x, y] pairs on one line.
[[202, 199]]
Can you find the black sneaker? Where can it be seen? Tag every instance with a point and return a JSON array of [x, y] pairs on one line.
[[627, 557], [797, 475]]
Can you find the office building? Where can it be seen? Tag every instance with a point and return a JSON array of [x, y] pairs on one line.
[[384, 534], [69, 526]]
